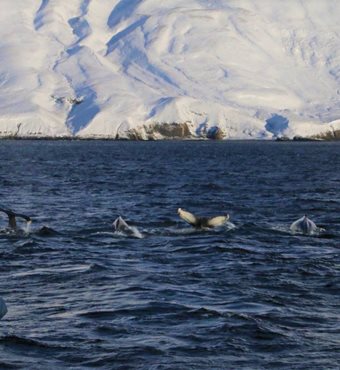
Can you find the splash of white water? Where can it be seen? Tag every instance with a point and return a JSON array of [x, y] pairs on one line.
[[27, 228]]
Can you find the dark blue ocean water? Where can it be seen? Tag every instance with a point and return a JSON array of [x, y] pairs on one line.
[[255, 297]]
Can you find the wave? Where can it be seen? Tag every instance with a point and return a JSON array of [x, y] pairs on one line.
[[69, 269], [17, 341]]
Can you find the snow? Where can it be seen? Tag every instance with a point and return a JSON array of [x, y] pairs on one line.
[[89, 68]]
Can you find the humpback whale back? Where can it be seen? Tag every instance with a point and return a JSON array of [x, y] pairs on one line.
[[200, 222], [304, 225]]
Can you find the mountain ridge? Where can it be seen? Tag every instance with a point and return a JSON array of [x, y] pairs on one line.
[[105, 70]]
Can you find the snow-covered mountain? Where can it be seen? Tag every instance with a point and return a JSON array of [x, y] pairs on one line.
[[109, 68]]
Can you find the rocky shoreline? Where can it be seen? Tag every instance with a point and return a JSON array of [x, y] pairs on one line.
[[325, 136], [171, 131]]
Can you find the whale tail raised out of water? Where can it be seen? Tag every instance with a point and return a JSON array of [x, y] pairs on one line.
[[202, 222], [120, 225], [304, 226], [12, 222]]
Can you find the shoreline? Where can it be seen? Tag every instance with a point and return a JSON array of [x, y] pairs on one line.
[[67, 138]]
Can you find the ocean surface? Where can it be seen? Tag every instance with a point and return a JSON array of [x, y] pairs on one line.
[[253, 296]]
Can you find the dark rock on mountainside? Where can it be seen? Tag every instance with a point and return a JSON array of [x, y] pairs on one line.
[[328, 135], [215, 133], [158, 131]]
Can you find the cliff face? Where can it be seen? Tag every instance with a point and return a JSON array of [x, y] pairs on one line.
[[145, 69]]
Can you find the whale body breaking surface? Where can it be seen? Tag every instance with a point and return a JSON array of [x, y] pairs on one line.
[[304, 226], [121, 226]]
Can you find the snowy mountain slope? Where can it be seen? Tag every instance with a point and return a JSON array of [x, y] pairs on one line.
[[98, 68]]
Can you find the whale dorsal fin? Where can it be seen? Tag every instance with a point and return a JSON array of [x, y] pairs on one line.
[[217, 221], [187, 217]]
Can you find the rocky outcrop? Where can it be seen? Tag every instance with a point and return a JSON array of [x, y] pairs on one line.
[[170, 131], [305, 138], [328, 135], [215, 133], [71, 100], [331, 134], [157, 131]]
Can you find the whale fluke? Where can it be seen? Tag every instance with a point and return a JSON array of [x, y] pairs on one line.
[[217, 221], [12, 222], [188, 217], [3, 308], [120, 225], [202, 222], [304, 226]]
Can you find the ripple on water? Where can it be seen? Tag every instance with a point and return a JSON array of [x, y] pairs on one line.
[[249, 295]]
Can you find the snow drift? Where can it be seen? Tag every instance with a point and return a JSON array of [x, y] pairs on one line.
[[89, 68]]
